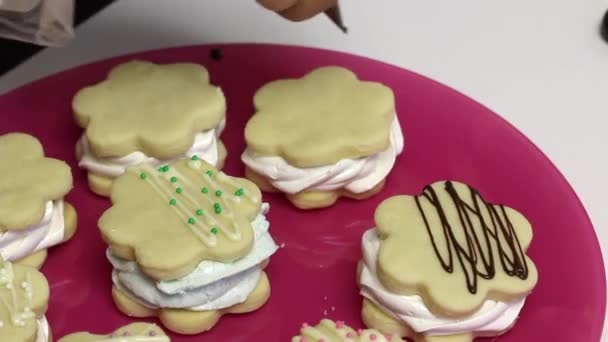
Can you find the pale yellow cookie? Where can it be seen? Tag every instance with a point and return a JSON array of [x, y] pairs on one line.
[[24, 294], [321, 118], [457, 252], [330, 331], [30, 188], [29, 181], [189, 322], [134, 332], [155, 109], [323, 136], [148, 113], [187, 210]]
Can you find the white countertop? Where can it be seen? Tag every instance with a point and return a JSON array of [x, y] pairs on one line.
[[540, 64]]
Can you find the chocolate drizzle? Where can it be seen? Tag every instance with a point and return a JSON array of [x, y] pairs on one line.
[[482, 233]]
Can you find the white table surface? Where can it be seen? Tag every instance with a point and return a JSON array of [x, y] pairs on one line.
[[540, 64]]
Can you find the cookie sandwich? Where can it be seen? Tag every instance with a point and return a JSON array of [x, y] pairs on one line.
[[134, 332], [33, 213], [148, 113], [322, 136], [330, 331], [24, 296], [188, 244], [445, 265]]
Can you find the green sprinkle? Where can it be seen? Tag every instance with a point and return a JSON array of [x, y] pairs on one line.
[[210, 173], [191, 220], [239, 192], [143, 175], [194, 157], [218, 210], [173, 179], [164, 168], [179, 190], [199, 212], [216, 205], [218, 193], [205, 190], [214, 230], [173, 201]]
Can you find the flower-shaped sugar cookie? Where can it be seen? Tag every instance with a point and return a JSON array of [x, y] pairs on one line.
[[148, 113], [134, 332], [170, 219], [321, 118], [446, 262], [24, 294], [321, 137], [155, 109], [330, 331], [33, 214], [29, 180]]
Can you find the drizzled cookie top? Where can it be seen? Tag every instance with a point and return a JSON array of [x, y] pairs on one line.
[[321, 118], [27, 181], [155, 109], [169, 219], [24, 294], [453, 248], [330, 331], [135, 332]]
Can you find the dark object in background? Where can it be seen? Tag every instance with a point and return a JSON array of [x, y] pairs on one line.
[[335, 16], [604, 27], [14, 52], [216, 54]]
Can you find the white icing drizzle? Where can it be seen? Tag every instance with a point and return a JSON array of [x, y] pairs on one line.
[[226, 209], [186, 202], [157, 184], [194, 203], [19, 313], [27, 285], [195, 164]]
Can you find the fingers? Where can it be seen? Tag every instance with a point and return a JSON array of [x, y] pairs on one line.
[[298, 10], [306, 9], [277, 5]]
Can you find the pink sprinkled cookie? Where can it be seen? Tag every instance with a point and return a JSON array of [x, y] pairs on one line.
[[330, 331], [134, 332]]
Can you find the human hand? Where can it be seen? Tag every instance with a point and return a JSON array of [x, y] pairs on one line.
[[298, 10]]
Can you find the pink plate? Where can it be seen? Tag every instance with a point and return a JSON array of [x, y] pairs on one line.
[[448, 136]]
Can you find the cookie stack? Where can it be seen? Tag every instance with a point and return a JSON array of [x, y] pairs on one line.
[[188, 244], [33, 214], [321, 137], [445, 263], [148, 113]]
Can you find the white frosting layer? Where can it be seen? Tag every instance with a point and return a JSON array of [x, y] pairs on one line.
[[43, 330], [355, 175], [205, 146], [218, 295], [493, 317], [212, 285], [16, 244]]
